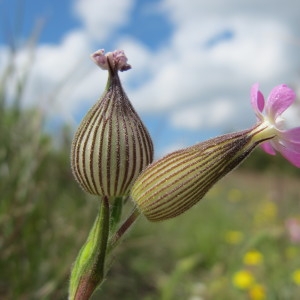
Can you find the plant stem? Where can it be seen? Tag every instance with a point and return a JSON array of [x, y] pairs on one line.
[[88, 270], [115, 239], [115, 213]]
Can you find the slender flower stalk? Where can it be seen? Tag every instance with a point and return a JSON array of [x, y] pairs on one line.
[[127, 224], [176, 182]]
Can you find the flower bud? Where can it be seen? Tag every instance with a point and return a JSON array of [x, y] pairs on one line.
[[111, 146], [174, 183]]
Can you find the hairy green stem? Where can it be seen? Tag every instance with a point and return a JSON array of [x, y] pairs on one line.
[[88, 270], [115, 213]]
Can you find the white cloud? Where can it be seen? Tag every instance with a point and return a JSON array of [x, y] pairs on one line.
[[56, 61], [212, 114], [188, 118], [57, 70], [257, 50], [185, 75], [63, 79], [180, 12], [196, 86], [101, 18]]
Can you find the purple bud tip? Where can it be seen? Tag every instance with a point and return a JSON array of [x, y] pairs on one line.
[[117, 60]]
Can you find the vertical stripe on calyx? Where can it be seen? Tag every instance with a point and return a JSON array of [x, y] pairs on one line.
[[111, 146]]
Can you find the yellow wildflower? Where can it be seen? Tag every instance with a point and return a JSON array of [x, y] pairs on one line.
[[257, 292], [243, 279], [296, 276], [234, 237], [253, 258]]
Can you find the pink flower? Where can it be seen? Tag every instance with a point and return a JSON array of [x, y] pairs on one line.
[[268, 113], [116, 60]]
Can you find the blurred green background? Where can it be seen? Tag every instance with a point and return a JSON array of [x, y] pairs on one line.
[[240, 242]]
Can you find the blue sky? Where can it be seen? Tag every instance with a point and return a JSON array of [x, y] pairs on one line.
[[193, 62]]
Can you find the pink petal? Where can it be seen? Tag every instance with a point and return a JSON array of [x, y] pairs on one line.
[[292, 134], [257, 99], [291, 139], [290, 155], [280, 98], [293, 146], [120, 60], [100, 59], [267, 147]]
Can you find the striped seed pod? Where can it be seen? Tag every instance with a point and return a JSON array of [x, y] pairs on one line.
[[176, 182], [111, 146]]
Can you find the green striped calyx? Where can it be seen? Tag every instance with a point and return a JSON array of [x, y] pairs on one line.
[[111, 146], [176, 182]]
